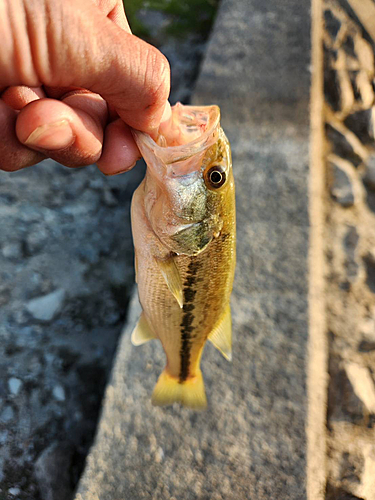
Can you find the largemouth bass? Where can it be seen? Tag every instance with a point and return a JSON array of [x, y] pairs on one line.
[[183, 223]]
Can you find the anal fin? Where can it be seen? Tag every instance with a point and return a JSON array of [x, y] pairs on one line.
[[142, 332], [190, 392], [221, 335], [172, 278]]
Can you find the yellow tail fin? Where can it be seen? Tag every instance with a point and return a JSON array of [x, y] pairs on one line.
[[189, 393]]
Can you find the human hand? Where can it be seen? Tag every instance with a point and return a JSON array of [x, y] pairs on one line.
[[73, 80]]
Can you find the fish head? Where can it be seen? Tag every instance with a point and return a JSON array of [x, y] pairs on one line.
[[188, 179]]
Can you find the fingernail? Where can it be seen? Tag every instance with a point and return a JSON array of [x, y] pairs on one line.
[[122, 171], [51, 136]]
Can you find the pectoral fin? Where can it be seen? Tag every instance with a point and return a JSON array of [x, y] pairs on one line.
[[221, 335], [142, 333], [172, 278]]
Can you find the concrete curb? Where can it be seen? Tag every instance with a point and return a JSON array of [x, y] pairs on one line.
[[317, 373]]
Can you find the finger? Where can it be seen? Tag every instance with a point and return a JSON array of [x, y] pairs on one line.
[[120, 152], [92, 104], [17, 97], [78, 45], [70, 135], [114, 10], [117, 15], [13, 155], [59, 92], [62, 93]]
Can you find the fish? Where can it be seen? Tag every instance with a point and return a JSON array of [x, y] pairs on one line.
[[184, 234]]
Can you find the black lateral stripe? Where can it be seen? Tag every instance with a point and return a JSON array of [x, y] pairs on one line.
[[187, 320]]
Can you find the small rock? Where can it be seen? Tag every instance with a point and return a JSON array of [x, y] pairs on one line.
[[3, 437], [362, 384], [50, 217], [7, 414], [350, 245], [343, 403], [4, 294], [159, 455], [36, 239], [331, 24], [351, 468], [366, 346], [12, 251], [369, 178], [361, 124], [109, 199], [20, 317], [370, 271], [14, 491], [118, 273], [59, 393], [7, 199], [96, 183], [36, 279], [27, 331], [14, 385], [351, 241], [52, 471], [32, 214], [45, 308], [367, 328], [112, 317], [3, 388], [341, 189], [88, 254]]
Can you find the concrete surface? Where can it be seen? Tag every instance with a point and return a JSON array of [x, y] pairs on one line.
[[250, 443]]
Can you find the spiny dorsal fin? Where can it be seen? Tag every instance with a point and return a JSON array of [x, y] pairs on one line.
[[172, 277], [221, 335], [142, 333]]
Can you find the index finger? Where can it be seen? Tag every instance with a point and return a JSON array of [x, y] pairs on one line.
[[97, 55]]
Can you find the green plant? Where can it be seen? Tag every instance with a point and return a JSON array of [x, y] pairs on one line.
[[187, 16]]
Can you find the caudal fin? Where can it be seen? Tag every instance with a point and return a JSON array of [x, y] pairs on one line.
[[189, 393]]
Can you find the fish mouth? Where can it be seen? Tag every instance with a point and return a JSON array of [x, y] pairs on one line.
[[197, 128]]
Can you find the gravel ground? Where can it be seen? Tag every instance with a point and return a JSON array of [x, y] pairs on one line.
[[66, 267], [66, 275]]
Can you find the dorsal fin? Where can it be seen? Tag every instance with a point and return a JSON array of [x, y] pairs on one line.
[[142, 332], [172, 278], [221, 335]]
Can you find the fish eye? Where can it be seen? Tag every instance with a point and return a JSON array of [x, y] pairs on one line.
[[215, 177]]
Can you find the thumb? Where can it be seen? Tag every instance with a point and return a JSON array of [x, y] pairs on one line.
[[68, 43]]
